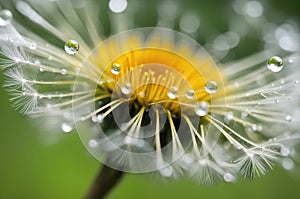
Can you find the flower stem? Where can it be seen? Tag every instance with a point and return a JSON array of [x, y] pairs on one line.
[[106, 179]]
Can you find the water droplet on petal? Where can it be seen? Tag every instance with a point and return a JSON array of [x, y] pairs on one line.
[[211, 87], [66, 128], [126, 89], [5, 17], [275, 64], [115, 69], [202, 108], [71, 47], [172, 92], [228, 177], [190, 94]]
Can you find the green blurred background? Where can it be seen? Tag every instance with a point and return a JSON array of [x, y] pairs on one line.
[[32, 169]]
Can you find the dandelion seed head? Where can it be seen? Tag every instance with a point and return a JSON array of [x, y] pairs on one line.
[[153, 99]]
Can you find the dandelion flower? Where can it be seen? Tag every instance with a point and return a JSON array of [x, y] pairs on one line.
[[153, 99]]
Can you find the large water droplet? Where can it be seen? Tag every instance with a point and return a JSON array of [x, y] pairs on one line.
[[190, 94], [5, 17], [71, 47], [211, 87], [66, 128], [202, 108], [117, 6], [115, 68], [172, 92], [126, 89], [275, 64]]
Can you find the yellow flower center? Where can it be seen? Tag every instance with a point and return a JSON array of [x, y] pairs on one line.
[[157, 73]]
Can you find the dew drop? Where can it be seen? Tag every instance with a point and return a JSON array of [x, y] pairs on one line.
[[244, 114], [32, 46], [275, 64], [202, 162], [5, 17], [141, 94], [63, 71], [71, 47], [126, 89], [229, 116], [287, 163], [93, 143], [284, 151], [100, 117], [211, 87], [115, 69], [202, 108], [117, 6], [66, 128], [188, 158], [228, 177], [254, 127], [288, 118], [166, 171], [190, 94], [172, 92], [94, 118], [42, 69]]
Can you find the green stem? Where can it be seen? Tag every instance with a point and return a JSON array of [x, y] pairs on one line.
[[104, 182]]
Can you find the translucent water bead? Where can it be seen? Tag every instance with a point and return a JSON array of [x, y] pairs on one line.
[[211, 87], [115, 69], [71, 47], [275, 64], [202, 108], [5, 17]]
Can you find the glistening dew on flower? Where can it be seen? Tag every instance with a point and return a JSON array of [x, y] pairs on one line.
[[152, 99]]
